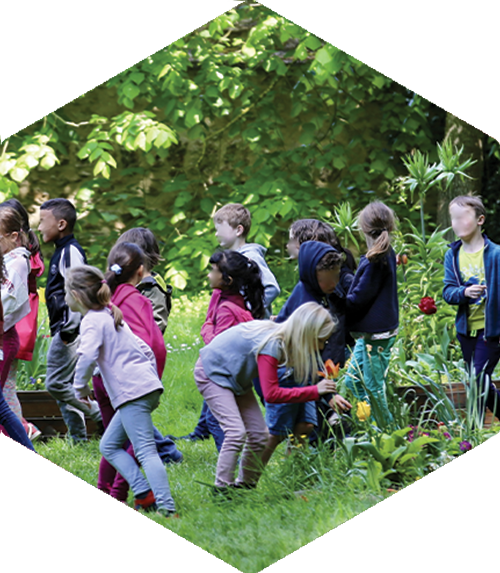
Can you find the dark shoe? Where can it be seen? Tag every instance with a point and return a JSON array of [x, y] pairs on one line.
[[224, 491], [146, 502], [192, 437], [247, 486], [167, 513]]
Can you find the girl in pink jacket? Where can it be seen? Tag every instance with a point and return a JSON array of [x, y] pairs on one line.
[[238, 296]]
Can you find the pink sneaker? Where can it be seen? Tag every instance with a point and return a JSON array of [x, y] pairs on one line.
[[33, 432]]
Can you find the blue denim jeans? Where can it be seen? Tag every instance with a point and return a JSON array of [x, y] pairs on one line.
[[133, 421], [13, 424]]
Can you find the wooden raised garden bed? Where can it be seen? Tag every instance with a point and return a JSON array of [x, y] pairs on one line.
[[455, 391], [42, 410]]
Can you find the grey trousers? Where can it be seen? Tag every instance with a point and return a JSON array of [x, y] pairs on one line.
[[61, 362]]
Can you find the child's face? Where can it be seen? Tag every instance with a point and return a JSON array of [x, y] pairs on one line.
[[465, 222], [71, 301], [292, 247], [215, 279], [50, 228], [8, 241], [328, 279], [227, 235]]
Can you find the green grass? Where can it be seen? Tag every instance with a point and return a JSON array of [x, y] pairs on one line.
[[261, 526]]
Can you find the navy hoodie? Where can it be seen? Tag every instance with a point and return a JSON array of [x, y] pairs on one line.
[[308, 290], [372, 301]]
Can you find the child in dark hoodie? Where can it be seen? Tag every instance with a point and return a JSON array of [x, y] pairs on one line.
[[320, 272], [339, 346], [237, 286]]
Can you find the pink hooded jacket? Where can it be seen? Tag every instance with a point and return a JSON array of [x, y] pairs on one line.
[[138, 314], [225, 309]]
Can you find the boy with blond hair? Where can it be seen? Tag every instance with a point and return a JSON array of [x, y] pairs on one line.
[[232, 225], [472, 282]]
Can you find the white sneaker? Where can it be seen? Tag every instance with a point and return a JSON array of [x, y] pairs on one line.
[[33, 432]]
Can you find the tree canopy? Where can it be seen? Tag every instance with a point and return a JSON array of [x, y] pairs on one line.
[[250, 108]]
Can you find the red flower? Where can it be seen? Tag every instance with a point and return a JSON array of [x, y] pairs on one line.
[[427, 305]]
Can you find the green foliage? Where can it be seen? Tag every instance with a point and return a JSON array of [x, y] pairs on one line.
[[249, 108]]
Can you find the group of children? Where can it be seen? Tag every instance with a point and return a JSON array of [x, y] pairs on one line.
[[109, 328]]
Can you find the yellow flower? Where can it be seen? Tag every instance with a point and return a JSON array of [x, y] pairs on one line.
[[41, 294], [444, 379], [364, 411], [38, 380]]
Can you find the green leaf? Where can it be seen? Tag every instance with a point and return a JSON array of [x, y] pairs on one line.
[[193, 116], [95, 154], [313, 43], [137, 77], [19, 174], [48, 161], [308, 133], [323, 56], [131, 91]]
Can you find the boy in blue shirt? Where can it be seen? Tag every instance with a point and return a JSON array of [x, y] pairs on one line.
[[472, 281]]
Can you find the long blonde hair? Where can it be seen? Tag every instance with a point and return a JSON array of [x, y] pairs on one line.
[[298, 338], [92, 290]]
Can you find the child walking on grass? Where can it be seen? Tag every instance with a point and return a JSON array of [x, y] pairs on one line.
[[123, 360], [15, 297], [151, 284], [10, 422], [237, 286], [372, 306], [224, 373], [126, 266], [57, 220], [27, 327]]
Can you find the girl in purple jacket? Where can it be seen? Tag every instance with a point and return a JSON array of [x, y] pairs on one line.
[[122, 358]]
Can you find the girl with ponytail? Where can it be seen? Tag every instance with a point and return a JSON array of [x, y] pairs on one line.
[[372, 307], [125, 271], [238, 296], [123, 359]]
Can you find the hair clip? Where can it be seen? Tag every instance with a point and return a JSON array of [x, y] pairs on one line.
[[116, 269]]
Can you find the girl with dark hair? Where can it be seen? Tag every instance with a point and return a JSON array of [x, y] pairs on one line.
[[27, 327], [126, 266], [152, 285], [238, 296]]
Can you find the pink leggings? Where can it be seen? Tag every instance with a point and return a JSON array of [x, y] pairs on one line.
[[244, 429]]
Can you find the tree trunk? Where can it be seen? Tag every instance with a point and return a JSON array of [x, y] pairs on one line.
[[472, 140]]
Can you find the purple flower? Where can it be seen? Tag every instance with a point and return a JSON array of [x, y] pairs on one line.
[[447, 435], [32, 380], [465, 446]]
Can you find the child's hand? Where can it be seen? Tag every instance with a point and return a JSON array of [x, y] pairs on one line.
[[326, 387], [474, 291], [339, 403]]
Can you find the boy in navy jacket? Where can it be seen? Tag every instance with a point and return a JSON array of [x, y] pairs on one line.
[[472, 281], [57, 219]]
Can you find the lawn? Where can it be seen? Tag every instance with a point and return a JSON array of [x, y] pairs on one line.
[[299, 498]]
